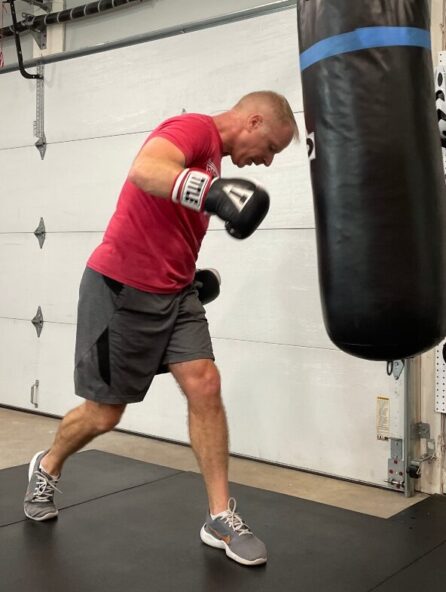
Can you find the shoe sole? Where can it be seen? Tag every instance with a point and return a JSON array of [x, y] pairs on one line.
[[41, 518], [30, 472], [208, 539]]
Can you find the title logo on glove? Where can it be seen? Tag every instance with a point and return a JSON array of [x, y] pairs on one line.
[[238, 195]]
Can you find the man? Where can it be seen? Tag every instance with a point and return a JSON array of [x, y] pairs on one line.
[[139, 312]]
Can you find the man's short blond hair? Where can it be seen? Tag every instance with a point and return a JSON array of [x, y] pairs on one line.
[[278, 103]]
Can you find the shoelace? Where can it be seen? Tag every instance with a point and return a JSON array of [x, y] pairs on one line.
[[44, 489], [234, 520]]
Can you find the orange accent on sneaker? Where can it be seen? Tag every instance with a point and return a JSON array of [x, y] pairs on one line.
[[226, 538]]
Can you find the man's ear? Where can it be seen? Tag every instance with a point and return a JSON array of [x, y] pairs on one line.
[[255, 121]]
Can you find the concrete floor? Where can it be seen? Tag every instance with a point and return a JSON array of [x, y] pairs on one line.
[[22, 434]]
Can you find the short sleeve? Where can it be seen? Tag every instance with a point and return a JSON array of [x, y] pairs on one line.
[[190, 134]]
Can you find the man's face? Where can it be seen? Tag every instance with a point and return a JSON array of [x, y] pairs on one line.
[[260, 141]]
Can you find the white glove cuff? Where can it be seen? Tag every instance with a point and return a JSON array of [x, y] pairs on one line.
[[190, 188]]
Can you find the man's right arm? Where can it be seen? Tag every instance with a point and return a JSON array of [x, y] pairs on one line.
[[156, 167], [159, 169]]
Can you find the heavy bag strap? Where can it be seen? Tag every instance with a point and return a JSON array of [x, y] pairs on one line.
[[364, 38]]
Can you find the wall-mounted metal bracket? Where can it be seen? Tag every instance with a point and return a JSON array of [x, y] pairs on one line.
[[39, 123], [37, 30], [40, 232], [422, 431], [18, 45], [396, 473], [38, 321], [396, 368]]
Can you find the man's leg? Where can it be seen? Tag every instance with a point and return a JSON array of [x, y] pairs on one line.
[[224, 528], [78, 428], [200, 382]]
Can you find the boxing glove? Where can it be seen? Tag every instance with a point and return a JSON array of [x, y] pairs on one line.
[[242, 204], [207, 282]]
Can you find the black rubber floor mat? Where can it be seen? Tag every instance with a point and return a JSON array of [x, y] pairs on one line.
[[86, 476], [146, 538]]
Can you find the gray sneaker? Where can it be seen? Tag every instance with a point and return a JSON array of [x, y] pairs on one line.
[[228, 531], [39, 498]]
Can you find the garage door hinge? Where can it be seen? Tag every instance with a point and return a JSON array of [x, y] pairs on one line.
[[40, 232], [38, 321]]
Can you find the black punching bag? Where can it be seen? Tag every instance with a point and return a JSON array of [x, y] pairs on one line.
[[377, 174]]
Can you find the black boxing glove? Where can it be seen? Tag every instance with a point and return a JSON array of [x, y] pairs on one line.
[[240, 203], [207, 282]]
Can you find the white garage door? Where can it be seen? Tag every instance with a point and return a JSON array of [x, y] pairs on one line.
[[291, 396]]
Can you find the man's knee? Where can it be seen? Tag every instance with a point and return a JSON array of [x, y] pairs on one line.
[[104, 416], [203, 388], [211, 385]]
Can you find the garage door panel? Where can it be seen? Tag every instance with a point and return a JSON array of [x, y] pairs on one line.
[[159, 79], [20, 208], [269, 289], [18, 100], [77, 186], [282, 403], [305, 407], [47, 277], [162, 414], [21, 265], [268, 283], [56, 367], [64, 263], [18, 362]]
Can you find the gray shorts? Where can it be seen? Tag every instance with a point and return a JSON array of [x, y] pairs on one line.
[[126, 336]]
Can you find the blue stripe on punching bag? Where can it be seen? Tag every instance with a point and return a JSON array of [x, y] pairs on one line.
[[365, 38]]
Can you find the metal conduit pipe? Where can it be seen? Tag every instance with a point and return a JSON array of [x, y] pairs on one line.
[[72, 14], [190, 27]]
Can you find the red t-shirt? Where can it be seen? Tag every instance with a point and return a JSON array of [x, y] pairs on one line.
[[152, 243]]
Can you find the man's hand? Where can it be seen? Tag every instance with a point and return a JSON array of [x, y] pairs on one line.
[[207, 282], [242, 204]]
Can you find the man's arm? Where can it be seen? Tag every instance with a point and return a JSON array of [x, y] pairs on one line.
[[157, 166], [159, 169]]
